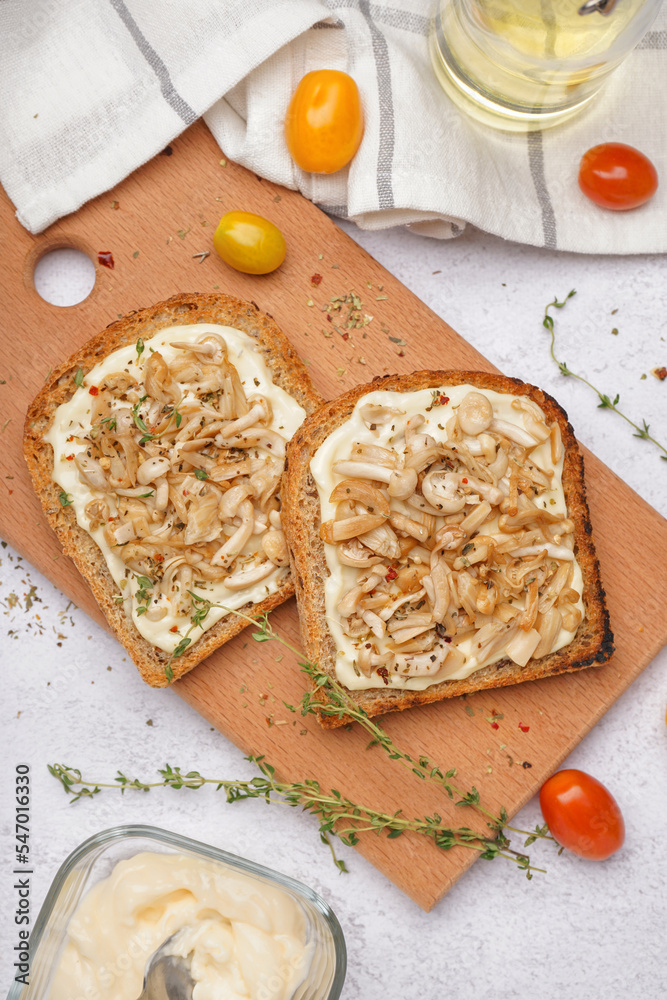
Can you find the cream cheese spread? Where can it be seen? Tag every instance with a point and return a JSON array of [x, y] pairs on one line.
[[73, 423], [380, 419], [244, 938]]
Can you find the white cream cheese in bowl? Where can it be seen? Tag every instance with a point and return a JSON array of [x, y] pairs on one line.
[[248, 933], [243, 940]]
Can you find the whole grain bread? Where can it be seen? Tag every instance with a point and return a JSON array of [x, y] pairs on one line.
[[593, 642], [288, 372]]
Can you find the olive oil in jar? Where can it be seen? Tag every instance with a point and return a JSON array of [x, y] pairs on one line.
[[522, 64]]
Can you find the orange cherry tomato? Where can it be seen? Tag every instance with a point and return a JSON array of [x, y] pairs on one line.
[[617, 176], [249, 243], [582, 815], [324, 122]]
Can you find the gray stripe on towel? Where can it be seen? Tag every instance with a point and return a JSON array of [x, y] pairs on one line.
[[418, 24], [387, 137], [654, 40], [169, 92], [536, 162]]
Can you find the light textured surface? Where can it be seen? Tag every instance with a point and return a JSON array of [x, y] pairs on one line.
[[583, 929]]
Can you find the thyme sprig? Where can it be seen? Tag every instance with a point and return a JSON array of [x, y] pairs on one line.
[[341, 706], [338, 816], [606, 402]]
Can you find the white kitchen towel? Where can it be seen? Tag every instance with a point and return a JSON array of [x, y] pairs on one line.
[[91, 89]]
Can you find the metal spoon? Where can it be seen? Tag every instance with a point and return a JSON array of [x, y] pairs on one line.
[[167, 976]]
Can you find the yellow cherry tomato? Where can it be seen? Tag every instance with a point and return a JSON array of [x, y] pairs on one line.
[[324, 122], [249, 243]]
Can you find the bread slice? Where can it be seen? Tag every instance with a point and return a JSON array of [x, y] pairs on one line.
[[287, 371], [593, 640]]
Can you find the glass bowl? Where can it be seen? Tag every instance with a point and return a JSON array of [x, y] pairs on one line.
[[95, 859]]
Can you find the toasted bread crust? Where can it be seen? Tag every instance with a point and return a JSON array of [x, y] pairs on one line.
[[593, 642], [287, 370]]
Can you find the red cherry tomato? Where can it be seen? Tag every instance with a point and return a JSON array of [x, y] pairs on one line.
[[617, 176], [582, 815], [324, 122]]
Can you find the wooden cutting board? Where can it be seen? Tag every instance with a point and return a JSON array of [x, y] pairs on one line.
[[153, 224]]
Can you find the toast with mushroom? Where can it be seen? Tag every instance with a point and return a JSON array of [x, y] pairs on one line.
[[440, 540], [157, 452]]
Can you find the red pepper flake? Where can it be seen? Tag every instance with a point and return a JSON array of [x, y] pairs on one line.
[[158, 557], [346, 336], [329, 318], [105, 258], [464, 480], [660, 373], [174, 628], [443, 399], [391, 574], [384, 674], [93, 391], [401, 354], [316, 279], [494, 725], [524, 729], [70, 458]]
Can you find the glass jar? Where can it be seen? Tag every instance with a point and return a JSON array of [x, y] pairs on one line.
[[94, 860], [530, 64]]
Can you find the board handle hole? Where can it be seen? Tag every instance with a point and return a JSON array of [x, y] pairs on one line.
[[64, 276]]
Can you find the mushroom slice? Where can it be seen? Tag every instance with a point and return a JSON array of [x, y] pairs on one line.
[[438, 584], [152, 469], [259, 437], [476, 518], [228, 552], [368, 659], [118, 383], [233, 499], [556, 443], [533, 418], [389, 611], [370, 496], [210, 349], [442, 491], [349, 527], [373, 453], [203, 523], [247, 577], [424, 664], [560, 552], [374, 622], [513, 433], [363, 470], [382, 540], [413, 528], [91, 472], [275, 547], [373, 414], [353, 553], [474, 413], [548, 625], [522, 645], [259, 413], [158, 381], [402, 483], [347, 605]]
